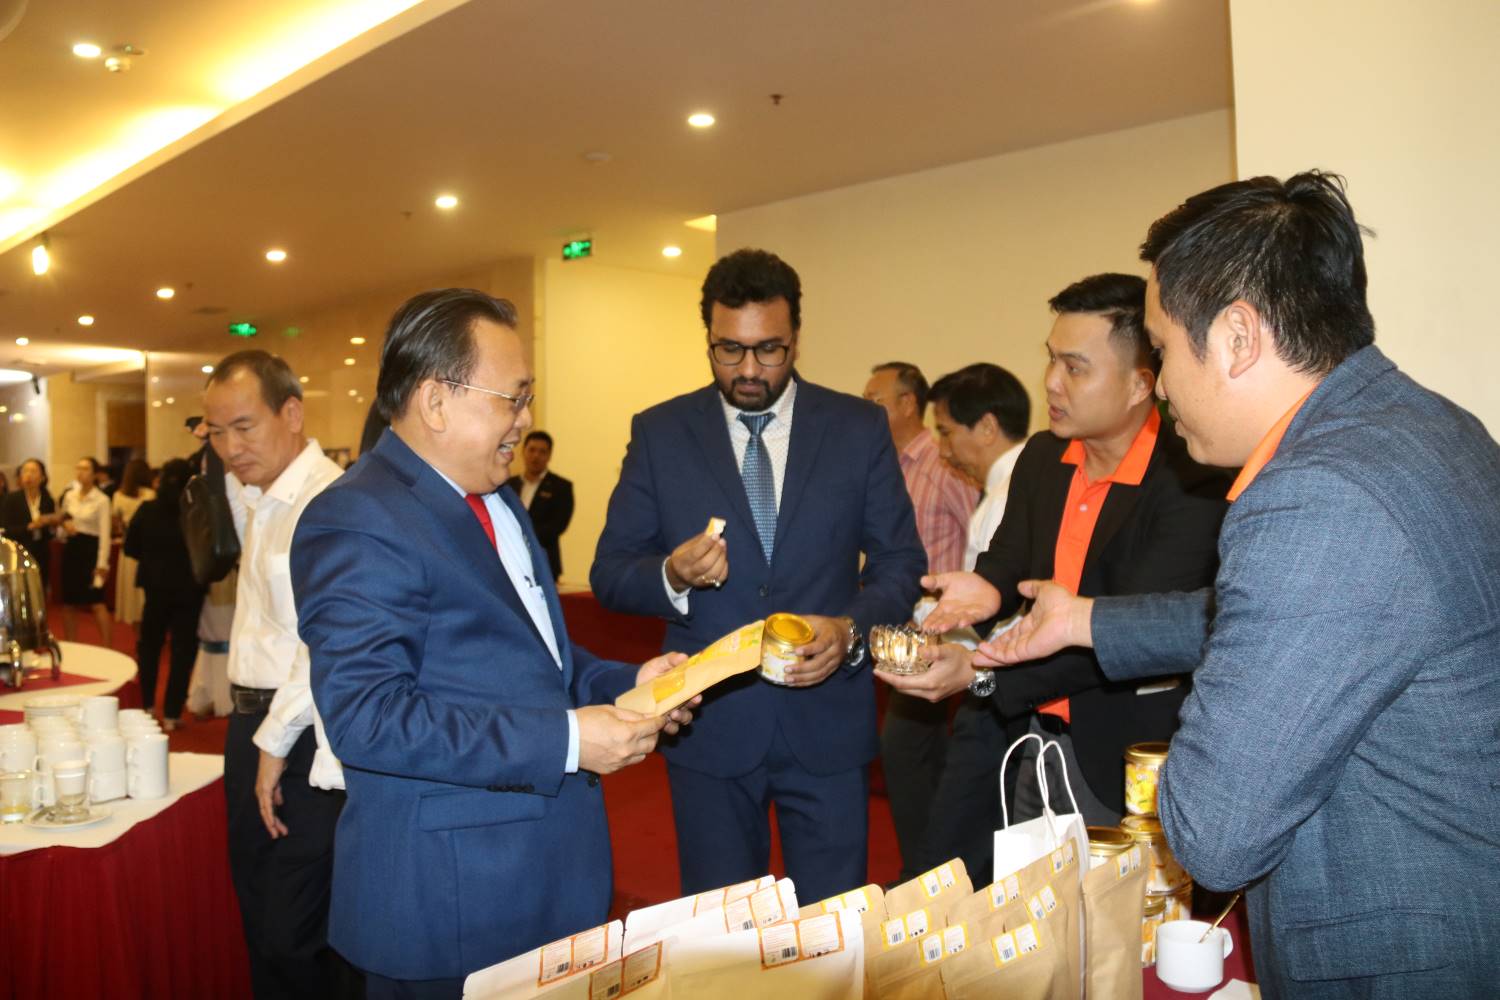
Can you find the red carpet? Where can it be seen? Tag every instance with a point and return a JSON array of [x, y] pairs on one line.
[[639, 804]]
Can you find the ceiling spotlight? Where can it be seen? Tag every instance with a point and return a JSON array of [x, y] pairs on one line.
[[156, 403], [348, 361], [446, 201], [4, 409], [41, 259], [165, 292], [357, 341], [701, 119], [87, 50], [85, 320], [171, 400], [155, 379], [354, 392], [22, 341], [19, 418], [671, 251], [276, 255], [302, 379], [207, 369]]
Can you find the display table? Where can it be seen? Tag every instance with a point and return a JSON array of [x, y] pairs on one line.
[[148, 912], [87, 670]]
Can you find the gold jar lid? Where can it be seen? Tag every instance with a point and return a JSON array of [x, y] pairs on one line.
[[1147, 753], [1155, 905], [793, 630], [1107, 841], [1146, 829]]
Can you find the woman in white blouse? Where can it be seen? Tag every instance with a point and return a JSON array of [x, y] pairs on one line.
[[88, 525], [135, 489]]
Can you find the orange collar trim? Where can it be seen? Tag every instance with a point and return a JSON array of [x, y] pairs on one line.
[[1132, 468], [1265, 451]]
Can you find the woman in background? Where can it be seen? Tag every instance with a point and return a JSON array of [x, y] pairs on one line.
[[29, 515], [173, 597], [88, 524], [135, 489]]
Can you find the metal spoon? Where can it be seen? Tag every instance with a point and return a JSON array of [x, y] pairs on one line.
[[1232, 900]]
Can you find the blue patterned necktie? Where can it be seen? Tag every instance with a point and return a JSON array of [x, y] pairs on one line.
[[760, 487]]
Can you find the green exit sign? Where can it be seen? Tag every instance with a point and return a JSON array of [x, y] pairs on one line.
[[577, 249], [242, 330]]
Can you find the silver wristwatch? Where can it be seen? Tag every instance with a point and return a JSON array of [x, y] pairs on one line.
[[856, 645], [983, 684]]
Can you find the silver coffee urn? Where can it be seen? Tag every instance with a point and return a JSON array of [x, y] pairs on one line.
[[24, 635]]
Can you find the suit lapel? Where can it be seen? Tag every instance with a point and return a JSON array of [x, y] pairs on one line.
[[712, 435], [541, 572], [802, 455], [1119, 503], [1052, 496]]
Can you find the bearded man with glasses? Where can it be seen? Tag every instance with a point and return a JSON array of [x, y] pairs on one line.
[[806, 482]]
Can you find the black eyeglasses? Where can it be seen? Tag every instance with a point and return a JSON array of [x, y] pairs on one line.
[[727, 352], [519, 403]]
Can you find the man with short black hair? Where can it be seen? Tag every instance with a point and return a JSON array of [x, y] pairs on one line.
[[285, 797], [547, 497], [1338, 753]]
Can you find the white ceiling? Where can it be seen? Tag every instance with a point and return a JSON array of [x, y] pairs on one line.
[[497, 100]]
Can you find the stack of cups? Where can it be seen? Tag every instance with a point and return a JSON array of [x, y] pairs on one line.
[[145, 755], [1169, 890], [106, 748], [20, 791]]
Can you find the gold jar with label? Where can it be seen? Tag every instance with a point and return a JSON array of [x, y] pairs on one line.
[[1178, 904], [783, 634], [1143, 763], [1155, 916], [1107, 843], [1165, 873]]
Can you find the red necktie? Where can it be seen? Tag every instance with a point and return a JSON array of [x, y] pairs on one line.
[[476, 504]]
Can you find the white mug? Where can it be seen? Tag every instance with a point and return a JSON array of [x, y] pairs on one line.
[[18, 752], [1186, 965], [140, 726], [101, 712], [107, 754], [106, 786], [146, 760], [64, 705], [51, 751], [14, 730], [127, 716], [50, 724]]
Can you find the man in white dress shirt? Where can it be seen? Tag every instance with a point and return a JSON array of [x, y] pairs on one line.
[[284, 788]]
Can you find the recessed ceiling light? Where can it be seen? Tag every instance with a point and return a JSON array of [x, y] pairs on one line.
[[18, 418], [701, 119], [207, 369], [276, 255], [40, 258], [360, 399], [302, 378], [22, 341], [171, 400], [354, 392], [13, 376], [671, 251], [155, 379], [356, 341], [165, 292], [85, 320], [87, 50], [446, 201], [4, 409], [348, 361], [156, 404]]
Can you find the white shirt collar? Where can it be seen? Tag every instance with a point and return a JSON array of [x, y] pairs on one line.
[[782, 407], [1001, 468], [294, 477]]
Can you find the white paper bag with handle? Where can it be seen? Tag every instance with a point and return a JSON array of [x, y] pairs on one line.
[[1019, 844]]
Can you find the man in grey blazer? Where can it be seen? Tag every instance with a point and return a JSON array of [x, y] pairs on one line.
[[1340, 751]]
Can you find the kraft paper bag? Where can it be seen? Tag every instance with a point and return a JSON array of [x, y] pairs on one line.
[[1023, 962], [937, 890], [1114, 903], [914, 968], [648, 923], [736, 653], [867, 899], [542, 969], [815, 958], [640, 975]]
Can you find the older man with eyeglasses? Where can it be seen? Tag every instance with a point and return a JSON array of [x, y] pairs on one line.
[[805, 481]]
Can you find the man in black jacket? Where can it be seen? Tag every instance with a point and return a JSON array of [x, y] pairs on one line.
[[547, 497], [1107, 502]]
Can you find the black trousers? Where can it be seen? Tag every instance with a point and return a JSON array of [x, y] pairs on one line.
[[381, 988], [283, 885], [913, 746], [966, 801], [174, 613]]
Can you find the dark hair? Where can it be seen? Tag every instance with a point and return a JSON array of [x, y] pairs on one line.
[[137, 474], [93, 463], [975, 390], [375, 425], [277, 383], [1119, 298], [751, 276], [430, 336], [1291, 249], [174, 476], [909, 378], [39, 464], [538, 436]]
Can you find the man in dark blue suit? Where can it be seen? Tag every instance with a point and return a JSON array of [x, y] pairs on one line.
[[807, 482], [475, 827]]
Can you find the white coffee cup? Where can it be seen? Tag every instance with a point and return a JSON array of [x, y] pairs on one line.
[[106, 786], [107, 754], [1186, 965], [50, 724], [101, 712], [126, 715], [18, 750], [146, 760], [64, 705], [14, 730], [54, 750]]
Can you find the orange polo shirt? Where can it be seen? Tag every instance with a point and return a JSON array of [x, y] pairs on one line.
[[1265, 451], [1081, 514]]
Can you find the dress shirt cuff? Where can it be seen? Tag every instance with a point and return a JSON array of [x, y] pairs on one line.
[[290, 713], [572, 765], [679, 598]]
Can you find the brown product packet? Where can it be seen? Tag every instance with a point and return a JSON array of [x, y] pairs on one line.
[[1026, 962], [1045, 890], [897, 934], [868, 900], [937, 890], [899, 971], [735, 653], [1114, 903]]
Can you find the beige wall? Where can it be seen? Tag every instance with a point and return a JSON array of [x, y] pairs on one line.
[[611, 341], [1400, 97], [955, 265], [25, 427], [78, 420]]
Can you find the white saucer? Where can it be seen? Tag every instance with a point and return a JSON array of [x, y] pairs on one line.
[[40, 820]]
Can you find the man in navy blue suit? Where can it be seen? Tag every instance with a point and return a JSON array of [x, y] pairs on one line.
[[474, 828], [807, 482]]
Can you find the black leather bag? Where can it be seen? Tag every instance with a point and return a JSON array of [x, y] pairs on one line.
[[207, 522]]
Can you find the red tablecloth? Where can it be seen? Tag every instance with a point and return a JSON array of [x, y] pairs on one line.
[[152, 914], [1239, 965]]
